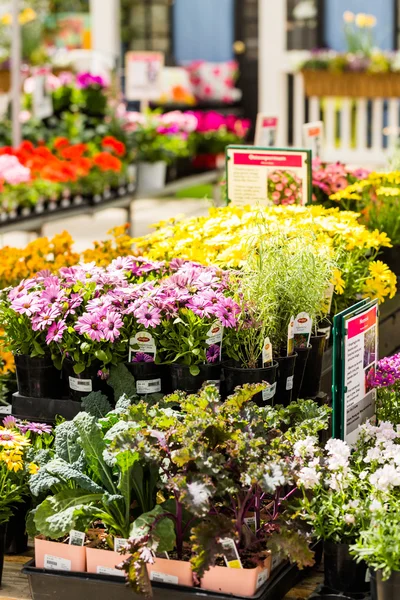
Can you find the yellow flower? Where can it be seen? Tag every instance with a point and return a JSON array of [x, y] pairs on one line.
[[7, 358], [11, 439], [348, 16], [12, 459], [338, 281], [33, 468], [361, 20], [6, 19], [378, 268], [26, 16], [370, 21]]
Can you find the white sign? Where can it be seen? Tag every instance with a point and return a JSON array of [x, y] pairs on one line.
[[266, 131], [42, 102], [143, 75], [313, 137], [360, 359], [55, 563], [268, 176], [80, 385]]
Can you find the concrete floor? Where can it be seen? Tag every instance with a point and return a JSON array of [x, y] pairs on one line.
[[86, 229]]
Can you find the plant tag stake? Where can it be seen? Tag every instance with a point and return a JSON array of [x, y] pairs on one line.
[[142, 342], [302, 330], [328, 296], [290, 339], [262, 578], [55, 563], [214, 338], [267, 353], [269, 392], [251, 523], [119, 543], [231, 555], [76, 538]]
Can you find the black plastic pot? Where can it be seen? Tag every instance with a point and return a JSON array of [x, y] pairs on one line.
[[149, 377], [391, 257], [38, 377], [3, 533], [324, 593], [342, 573], [235, 376], [299, 368], [80, 385], [16, 536], [313, 371], [284, 379], [385, 590], [43, 410], [182, 379]]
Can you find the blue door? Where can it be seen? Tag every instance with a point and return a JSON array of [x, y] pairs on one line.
[[383, 10], [203, 30]]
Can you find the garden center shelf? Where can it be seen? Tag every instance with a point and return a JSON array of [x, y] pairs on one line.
[[28, 219], [43, 410], [46, 584]]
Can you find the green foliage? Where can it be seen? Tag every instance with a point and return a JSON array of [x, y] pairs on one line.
[[96, 404], [122, 382]]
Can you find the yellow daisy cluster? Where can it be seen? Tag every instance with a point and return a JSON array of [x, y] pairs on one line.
[[381, 183], [223, 237], [12, 448], [105, 251], [381, 282]]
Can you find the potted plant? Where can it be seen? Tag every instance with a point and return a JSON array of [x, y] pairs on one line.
[[158, 141], [215, 485]]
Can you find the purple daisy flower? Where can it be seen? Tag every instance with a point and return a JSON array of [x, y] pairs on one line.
[[213, 353], [104, 374], [149, 316], [142, 357], [200, 306], [112, 326], [45, 318], [9, 422], [91, 325], [26, 305], [39, 428], [55, 332]]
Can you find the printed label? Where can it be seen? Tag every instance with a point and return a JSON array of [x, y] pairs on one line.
[[267, 353], [251, 523], [289, 383], [262, 578], [5, 409], [163, 578], [65, 202], [80, 385], [54, 563], [290, 342], [302, 330], [119, 543], [269, 392], [367, 576], [231, 555], [326, 331], [277, 559], [76, 538], [110, 571], [215, 333], [148, 386], [142, 342]]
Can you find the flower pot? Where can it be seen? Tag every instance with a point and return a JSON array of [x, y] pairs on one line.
[[239, 582], [3, 531], [385, 590], [37, 377], [104, 562], [285, 378], [391, 257], [235, 376], [182, 379], [313, 372], [17, 538], [149, 377], [300, 366], [342, 573], [351, 84], [151, 176], [82, 384], [59, 557], [177, 572]]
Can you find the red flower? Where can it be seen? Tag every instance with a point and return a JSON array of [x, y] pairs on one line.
[[73, 152], [111, 142], [107, 162], [61, 142]]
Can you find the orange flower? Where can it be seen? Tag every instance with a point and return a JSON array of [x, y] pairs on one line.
[[117, 146], [107, 162], [73, 152], [60, 142]]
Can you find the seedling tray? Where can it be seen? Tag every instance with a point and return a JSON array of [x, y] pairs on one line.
[[81, 586], [324, 593], [43, 410]]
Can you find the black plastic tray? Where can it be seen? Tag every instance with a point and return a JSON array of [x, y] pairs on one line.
[[43, 410], [324, 593], [81, 586]]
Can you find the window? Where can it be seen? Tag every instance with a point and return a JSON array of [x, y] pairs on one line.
[[146, 25], [304, 24]]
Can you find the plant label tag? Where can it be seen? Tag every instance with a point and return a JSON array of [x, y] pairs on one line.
[[144, 343], [161, 555], [267, 353], [80, 385], [109, 571], [313, 134], [328, 296], [26, 211], [277, 560], [39, 207], [119, 543], [76, 538], [163, 578], [290, 340], [326, 331], [269, 392], [214, 339], [148, 386], [367, 576], [289, 383], [55, 563], [231, 555], [262, 578], [5, 409], [65, 202], [302, 330], [251, 523]]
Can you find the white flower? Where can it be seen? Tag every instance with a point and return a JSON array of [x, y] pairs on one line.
[[306, 447], [375, 505], [337, 482], [363, 475], [354, 503], [308, 477], [273, 478], [385, 477], [199, 493], [385, 431], [349, 519]]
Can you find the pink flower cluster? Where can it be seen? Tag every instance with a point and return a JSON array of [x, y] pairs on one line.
[[11, 170], [387, 372], [331, 178], [174, 122], [284, 187], [213, 121]]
